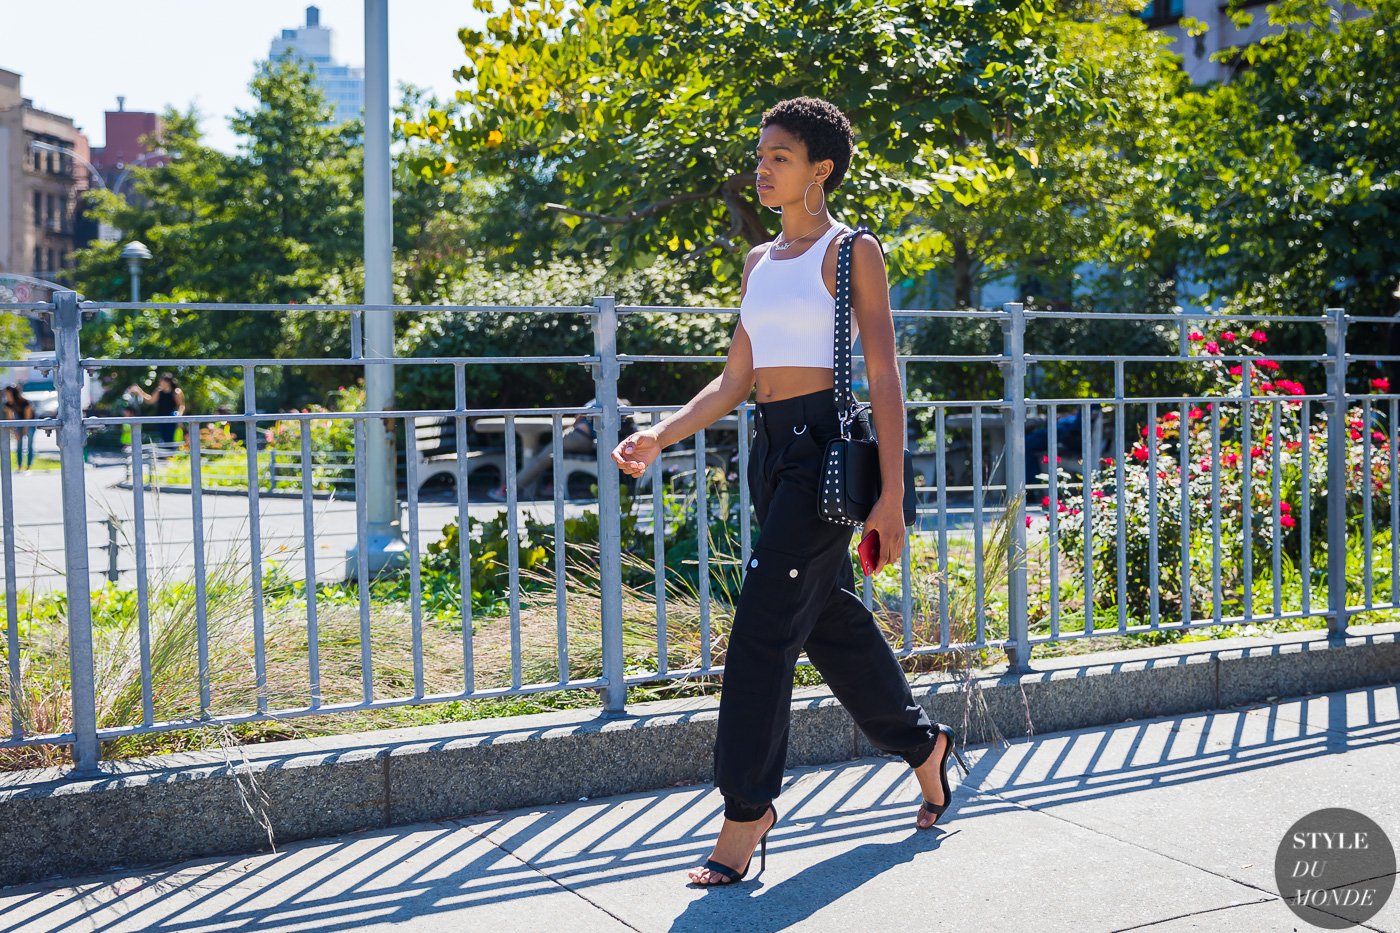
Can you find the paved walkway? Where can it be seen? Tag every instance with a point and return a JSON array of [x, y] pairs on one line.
[[1167, 824]]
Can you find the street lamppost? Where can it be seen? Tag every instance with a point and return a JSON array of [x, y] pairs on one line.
[[385, 546], [135, 253], [93, 173]]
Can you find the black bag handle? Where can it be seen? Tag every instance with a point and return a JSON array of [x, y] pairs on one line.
[[841, 333]]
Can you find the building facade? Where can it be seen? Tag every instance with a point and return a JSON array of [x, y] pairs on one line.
[[343, 85], [43, 169], [127, 146], [129, 143], [1221, 34]]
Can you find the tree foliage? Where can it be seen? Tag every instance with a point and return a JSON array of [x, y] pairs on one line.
[[269, 224], [645, 112], [1290, 173]]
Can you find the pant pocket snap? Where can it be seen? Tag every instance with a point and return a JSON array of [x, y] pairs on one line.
[[776, 584], [769, 561]]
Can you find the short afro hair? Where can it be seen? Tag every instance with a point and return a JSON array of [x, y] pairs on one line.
[[822, 127]]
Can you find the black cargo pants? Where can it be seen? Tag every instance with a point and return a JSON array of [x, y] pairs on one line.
[[798, 593]]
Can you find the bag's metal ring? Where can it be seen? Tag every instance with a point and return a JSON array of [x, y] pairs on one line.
[[795, 431]]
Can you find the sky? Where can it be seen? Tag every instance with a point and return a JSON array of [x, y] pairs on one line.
[[76, 56]]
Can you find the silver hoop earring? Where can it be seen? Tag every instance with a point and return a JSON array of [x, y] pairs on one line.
[[776, 210], [814, 213]]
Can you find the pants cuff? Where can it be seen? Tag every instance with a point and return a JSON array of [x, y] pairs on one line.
[[742, 813], [918, 756]]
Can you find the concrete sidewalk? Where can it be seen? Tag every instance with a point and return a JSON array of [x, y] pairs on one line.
[[1171, 824]]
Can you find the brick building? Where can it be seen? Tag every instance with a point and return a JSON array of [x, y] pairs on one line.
[[43, 168]]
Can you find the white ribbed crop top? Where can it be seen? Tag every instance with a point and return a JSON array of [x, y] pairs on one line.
[[787, 311]]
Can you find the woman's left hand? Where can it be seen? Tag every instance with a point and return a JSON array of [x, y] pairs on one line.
[[887, 520]]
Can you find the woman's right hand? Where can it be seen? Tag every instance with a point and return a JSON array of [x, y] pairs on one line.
[[636, 452]]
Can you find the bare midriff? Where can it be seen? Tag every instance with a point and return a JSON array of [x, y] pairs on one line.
[[773, 383]]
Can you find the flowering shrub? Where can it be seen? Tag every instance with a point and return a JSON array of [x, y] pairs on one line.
[[1245, 463], [331, 435], [218, 436], [328, 436]]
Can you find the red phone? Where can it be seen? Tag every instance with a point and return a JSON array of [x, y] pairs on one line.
[[869, 550]]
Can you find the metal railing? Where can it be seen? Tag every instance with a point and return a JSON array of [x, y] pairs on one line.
[[953, 517]]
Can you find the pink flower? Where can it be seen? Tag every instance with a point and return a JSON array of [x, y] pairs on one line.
[[1380, 385], [1355, 434], [1028, 521], [1287, 521], [1062, 507], [1256, 451], [1258, 336], [1285, 507], [1195, 414], [1212, 346], [1236, 370], [1196, 335], [1045, 458], [1230, 459], [1378, 436], [1100, 494], [1171, 416], [1228, 336], [1045, 502], [1140, 453], [1108, 461], [1270, 365]]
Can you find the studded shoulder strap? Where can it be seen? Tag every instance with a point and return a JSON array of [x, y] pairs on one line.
[[841, 333]]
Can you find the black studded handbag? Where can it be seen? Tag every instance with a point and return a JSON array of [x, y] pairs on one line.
[[851, 467]]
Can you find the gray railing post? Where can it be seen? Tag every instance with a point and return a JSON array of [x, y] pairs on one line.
[[113, 573], [1018, 649], [72, 438], [605, 376], [1337, 442]]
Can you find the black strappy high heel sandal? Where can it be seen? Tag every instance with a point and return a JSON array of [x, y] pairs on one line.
[[730, 873], [936, 809]]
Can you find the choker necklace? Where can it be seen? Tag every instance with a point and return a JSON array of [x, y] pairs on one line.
[[788, 243]]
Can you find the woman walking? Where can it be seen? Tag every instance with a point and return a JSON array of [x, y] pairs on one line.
[[798, 591]]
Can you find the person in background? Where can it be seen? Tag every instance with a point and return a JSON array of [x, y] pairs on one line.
[[19, 408], [169, 399], [578, 438]]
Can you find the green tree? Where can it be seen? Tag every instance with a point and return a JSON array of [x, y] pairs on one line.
[[16, 334], [450, 222], [1089, 194], [264, 225], [261, 225], [648, 127], [1290, 173]]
